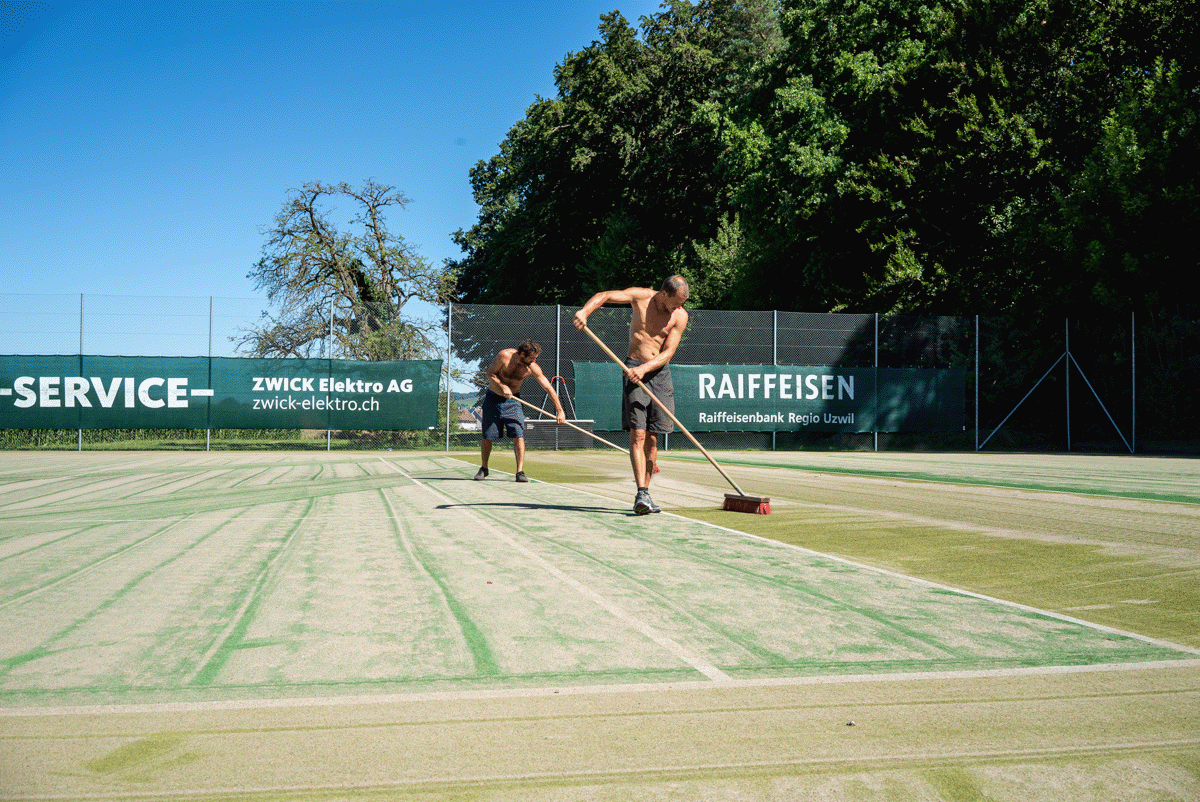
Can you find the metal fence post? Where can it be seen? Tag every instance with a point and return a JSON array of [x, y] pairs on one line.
[[774, 357], [875, 425], [208, 431], [1133, 382], [1067, 368], [449, 340], [329, 431], [557, 360], [79, 432], [977, 382]]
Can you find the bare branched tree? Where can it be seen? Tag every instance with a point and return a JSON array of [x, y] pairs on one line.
[[342, 292]]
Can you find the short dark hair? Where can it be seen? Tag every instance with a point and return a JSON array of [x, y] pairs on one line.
[[529, 347], [677, 286]]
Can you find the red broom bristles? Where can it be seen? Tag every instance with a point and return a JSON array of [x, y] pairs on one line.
[[756, 505]]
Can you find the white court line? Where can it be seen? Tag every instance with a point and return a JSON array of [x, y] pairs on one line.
[[674, 647]]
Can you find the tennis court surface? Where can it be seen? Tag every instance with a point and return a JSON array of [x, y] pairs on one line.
[[313, 625]]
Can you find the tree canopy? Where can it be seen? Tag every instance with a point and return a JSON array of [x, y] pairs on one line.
[[998, 156], [340, 287]]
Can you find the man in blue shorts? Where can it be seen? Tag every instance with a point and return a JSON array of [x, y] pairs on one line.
[[503, 415], [654, 333]]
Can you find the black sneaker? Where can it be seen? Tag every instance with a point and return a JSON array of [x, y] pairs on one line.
[[481, 474], [521, 477], [642, 504], [653, 507]]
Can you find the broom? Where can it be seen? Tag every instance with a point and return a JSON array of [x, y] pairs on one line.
[[573, 426], [734, 502]]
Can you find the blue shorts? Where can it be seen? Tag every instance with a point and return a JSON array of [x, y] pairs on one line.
[[502, 417]]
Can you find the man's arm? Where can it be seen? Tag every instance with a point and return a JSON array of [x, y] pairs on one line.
[[536, 371], [598, 300]]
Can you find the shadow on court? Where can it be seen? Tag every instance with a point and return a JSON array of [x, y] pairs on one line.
[[525, 505]]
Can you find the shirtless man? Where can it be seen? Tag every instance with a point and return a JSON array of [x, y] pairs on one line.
[[502, 412], [658, 322]]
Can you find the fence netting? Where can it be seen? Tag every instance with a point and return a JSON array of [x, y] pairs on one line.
[[1116, 385]]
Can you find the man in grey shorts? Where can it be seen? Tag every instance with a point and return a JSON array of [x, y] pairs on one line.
[[638, 412], [654, 333]]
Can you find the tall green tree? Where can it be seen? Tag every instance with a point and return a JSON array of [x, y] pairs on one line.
[[999, 156], [915, 158], [611, 181], [1126, 217]]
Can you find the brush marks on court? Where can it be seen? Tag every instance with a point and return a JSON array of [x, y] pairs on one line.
[[756, 608], [259, 576]]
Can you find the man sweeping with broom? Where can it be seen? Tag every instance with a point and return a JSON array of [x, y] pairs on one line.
[[654, 333], [502, 414]]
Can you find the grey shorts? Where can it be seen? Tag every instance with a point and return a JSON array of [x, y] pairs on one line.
[[502, 417], [638, 411]]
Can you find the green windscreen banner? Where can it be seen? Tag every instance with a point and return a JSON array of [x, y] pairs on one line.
[[779, 398], [125, 392]]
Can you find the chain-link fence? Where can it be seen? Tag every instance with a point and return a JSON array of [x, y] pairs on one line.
[[1116, 385]]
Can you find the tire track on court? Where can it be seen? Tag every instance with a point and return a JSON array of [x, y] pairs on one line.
[[482, 656], [211, 662], [94, 565]]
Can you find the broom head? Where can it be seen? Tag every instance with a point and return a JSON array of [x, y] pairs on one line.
[[755, 505]]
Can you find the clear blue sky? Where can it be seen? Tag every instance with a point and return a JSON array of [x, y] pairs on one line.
[[145, 145]]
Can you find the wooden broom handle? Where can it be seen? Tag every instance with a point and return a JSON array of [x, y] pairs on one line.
[[573, 426], [670, 414]]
